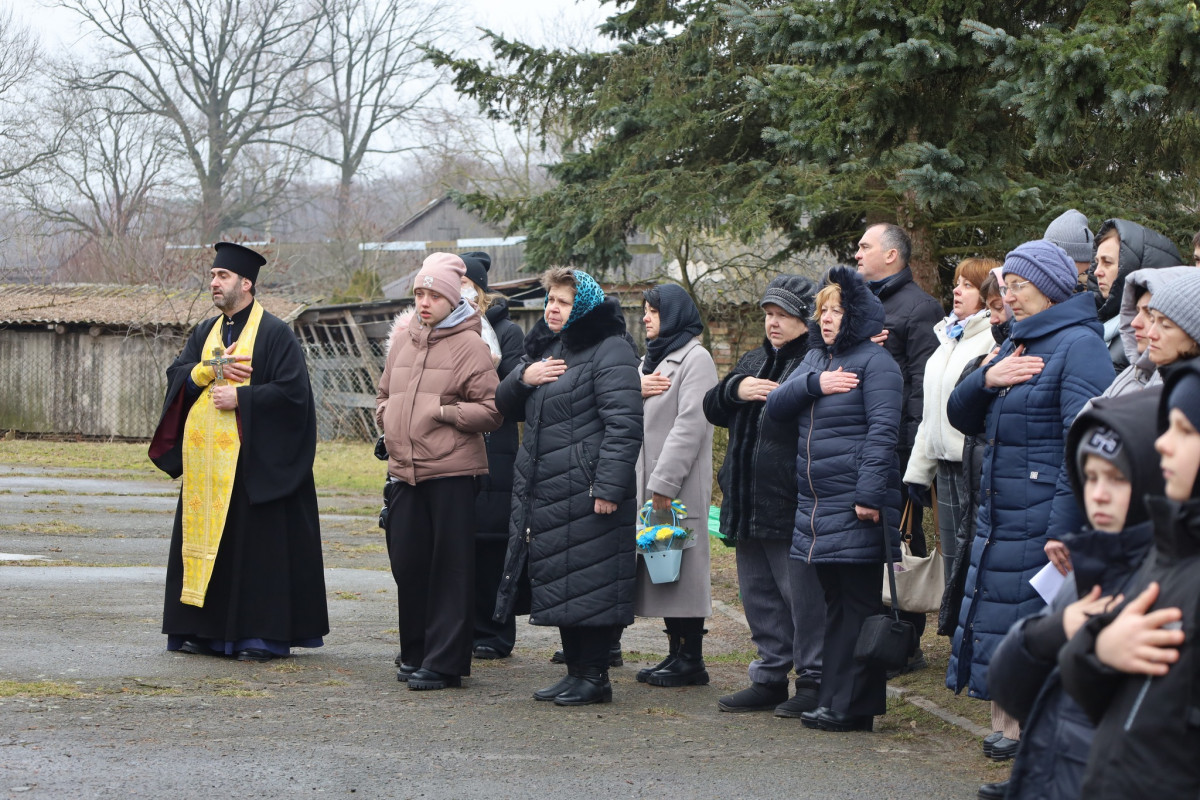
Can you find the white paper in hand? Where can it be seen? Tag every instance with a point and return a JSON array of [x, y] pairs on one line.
[[1047, 582]]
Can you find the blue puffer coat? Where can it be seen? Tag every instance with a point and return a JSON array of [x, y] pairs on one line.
[[847, 442], [1025, 427]]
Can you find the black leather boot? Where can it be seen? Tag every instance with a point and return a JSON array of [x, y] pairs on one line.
[[807, 697], [688, 667], [591, 686], [672, 650], [551, 692]]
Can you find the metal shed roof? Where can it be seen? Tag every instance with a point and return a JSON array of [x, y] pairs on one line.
[[112, 304]]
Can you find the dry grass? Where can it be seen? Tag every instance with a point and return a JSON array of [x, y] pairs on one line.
[[340, 466], [39, 689]]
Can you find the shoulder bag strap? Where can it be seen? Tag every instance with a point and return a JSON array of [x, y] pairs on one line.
[[891, 569]]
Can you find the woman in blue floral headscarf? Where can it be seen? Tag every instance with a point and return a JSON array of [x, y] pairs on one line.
[[573, 505]]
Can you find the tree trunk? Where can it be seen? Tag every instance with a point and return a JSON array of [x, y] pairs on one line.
[[923, 262]]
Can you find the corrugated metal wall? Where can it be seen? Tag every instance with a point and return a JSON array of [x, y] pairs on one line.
[[73, 382]]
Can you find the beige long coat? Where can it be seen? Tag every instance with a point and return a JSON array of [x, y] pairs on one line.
[[676, 460]]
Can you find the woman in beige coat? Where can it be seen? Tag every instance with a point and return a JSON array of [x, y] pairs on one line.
[[676, 463]]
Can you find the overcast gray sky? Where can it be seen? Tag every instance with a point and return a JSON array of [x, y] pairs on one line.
[[530, 20]]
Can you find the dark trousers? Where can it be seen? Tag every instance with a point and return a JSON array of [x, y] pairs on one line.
[[588, 645], [431, 545], [684, 626], [850, 686], [489, 568]]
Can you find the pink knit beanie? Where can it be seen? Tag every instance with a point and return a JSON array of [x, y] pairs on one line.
[[442, 273]]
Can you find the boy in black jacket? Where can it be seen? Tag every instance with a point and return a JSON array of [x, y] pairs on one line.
[[1136, 671], [1112, 466]]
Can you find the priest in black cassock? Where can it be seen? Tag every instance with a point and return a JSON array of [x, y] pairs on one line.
[[244, 572]]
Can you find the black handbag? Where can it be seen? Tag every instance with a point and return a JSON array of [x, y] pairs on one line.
[[885, 639]]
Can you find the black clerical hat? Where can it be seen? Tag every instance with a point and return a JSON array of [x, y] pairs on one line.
[[235, 258]]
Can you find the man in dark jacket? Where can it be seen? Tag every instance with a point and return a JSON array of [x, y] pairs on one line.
[[909, 316], [782, 597], [1112, 466]]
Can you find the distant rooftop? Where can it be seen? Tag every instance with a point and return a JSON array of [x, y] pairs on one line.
[[112, 304]]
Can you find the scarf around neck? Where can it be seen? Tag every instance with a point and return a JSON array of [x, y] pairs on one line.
[[678, 323]]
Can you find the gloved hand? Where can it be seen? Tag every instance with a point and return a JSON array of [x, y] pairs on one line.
[[919, 495]]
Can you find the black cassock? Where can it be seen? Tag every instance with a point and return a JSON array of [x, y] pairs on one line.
[[268, 584]]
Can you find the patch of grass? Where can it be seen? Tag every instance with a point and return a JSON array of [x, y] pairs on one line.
[[741, 658], [47, 491], [286, 666], [130, 456], [232, 687], [51, 528], [930, 682], [662, 711], [349, 466], [353, 511], [348, 595], [242, 693], [334, 682], [143, 689], [39, 689], [724, 574], [356, 549], [341, 467]]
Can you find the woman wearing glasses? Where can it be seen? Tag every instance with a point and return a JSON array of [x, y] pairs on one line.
[[1022, 403]]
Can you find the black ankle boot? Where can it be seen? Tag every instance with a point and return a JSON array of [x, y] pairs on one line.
[[672, 650], [591, 686], [688, 667], [551, 692]]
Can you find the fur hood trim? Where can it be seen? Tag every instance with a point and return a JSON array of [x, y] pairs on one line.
[[602, 322], [862, 312]]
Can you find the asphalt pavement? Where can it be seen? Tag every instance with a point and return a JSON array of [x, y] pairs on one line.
[[93, 706]]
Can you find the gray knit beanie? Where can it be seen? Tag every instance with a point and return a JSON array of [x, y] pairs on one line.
[[1046, 265], [1104, 442], [792, 293], [1179, 301], [1070, 231]]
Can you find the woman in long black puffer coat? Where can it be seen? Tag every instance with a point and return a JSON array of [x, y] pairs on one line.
[[578, 391]]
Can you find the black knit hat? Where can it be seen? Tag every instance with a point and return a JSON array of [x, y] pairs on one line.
[[792, 293], [238, 259], [478, 263]]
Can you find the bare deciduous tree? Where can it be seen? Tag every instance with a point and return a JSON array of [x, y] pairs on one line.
[[112, 159], [372, 76], [20, 145], [226, 74]]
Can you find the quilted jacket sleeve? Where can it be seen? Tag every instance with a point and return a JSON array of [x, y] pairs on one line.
[[619, 402], [882, 386], [512, 394], [795, 394], [971, 399], [1087, 371]]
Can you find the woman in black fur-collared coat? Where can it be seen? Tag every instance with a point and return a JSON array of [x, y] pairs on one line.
[[578, 392]]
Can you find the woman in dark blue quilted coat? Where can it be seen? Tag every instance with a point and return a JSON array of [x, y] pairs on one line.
[[1022, 402], [846, 399], [579, 393]]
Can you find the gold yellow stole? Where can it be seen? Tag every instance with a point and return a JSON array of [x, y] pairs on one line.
[[210, 453]]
